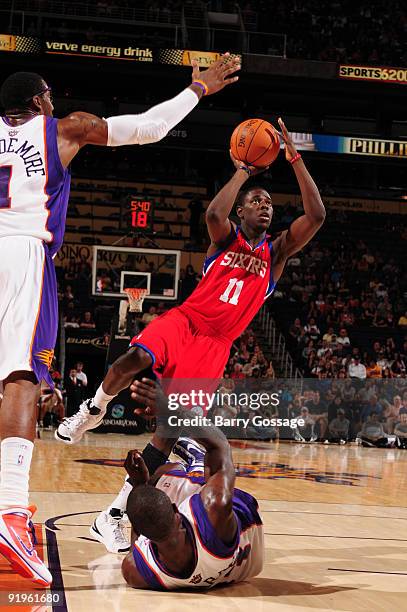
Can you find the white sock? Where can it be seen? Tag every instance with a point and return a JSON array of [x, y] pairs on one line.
[[102, 399], [16, 454], [120, 502]]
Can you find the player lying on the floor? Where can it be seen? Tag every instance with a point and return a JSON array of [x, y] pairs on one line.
[[190, 531]]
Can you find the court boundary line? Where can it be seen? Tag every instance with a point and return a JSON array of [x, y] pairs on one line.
[[338, 569], [397, 518], [335, 537]]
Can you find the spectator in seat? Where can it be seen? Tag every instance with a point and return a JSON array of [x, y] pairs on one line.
[[237, 372], [87, 321], [399, 365], [402, 322], [387, 373], [324, 349], [247, 370], [327, 337], [339, 428], [400, 429], [150, 315], [383, 361], [80, 374], [305, 432], [243, 355], [312, 330], [372, 433], [68, 296], [319, 412], [71, 320], [343, 337], [373, 370], [372, 406], [356, 369], [391, 413]]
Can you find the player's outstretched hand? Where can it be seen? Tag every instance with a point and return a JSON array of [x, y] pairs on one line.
[[290, 150], [253, 169], [136, 468], [218, 75], [150, 394]]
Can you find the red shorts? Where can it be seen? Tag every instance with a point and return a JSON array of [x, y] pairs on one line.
[[180, 350]]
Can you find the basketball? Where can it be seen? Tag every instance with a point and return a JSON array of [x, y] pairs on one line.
[[255, 142]]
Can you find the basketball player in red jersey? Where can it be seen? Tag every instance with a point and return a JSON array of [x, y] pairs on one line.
[[194, 339], [36, 150]]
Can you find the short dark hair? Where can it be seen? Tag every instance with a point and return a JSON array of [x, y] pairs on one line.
[[150, 512], [19, 88], [243, 193]]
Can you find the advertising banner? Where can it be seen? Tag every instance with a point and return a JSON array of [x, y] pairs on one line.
[[382, 74], [129, 52], [395, 149]]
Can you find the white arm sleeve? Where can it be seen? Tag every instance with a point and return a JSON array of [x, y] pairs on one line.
[[154, 124]]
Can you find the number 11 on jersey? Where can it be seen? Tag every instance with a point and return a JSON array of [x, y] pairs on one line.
[[238, 286]]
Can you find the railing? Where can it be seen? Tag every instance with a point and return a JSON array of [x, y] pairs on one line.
[[22, 15], [239, 41], [101, 10], [278, 346]]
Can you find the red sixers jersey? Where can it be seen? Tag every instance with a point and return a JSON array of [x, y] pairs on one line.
[[235, 284]]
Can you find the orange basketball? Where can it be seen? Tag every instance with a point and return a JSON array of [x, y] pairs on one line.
[[255, 142]]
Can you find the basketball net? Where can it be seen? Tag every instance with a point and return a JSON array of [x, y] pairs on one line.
[[136, 297]]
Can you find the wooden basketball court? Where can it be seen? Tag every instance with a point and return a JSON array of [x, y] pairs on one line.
[[335, 521]]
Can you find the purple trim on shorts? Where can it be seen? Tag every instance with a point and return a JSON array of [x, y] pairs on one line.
[[187, 476], [45, 333], [245, 507], [207, 533], [145, 571], [57, 187]]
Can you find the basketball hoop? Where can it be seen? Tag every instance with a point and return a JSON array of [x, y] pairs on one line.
[[136, 297]]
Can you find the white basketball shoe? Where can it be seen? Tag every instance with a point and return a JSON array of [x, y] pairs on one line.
[[71, 430], [111, 532], [190, 451]]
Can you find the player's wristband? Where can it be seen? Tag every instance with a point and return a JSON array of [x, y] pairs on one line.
[[295, 158], [246, 169], [202, 86]]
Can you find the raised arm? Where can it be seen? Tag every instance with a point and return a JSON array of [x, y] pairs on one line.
[[79, 128], [217, 494], [305, 227], [217, 214]]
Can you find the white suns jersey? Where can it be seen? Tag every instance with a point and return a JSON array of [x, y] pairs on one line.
[[216, 562], [34, 186]]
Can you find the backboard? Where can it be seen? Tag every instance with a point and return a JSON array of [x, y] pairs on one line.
[[115, 268]]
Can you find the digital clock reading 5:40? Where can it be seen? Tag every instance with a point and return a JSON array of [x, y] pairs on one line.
[[141, 213]]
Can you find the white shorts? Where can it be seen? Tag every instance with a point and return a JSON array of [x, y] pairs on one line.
[[28, 307]]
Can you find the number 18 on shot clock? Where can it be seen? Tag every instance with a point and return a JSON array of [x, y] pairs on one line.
[[141, 214]]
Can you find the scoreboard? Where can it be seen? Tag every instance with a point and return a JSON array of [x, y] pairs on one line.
[[138, 214]]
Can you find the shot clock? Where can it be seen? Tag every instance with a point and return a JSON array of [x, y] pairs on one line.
[[138, 214]]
